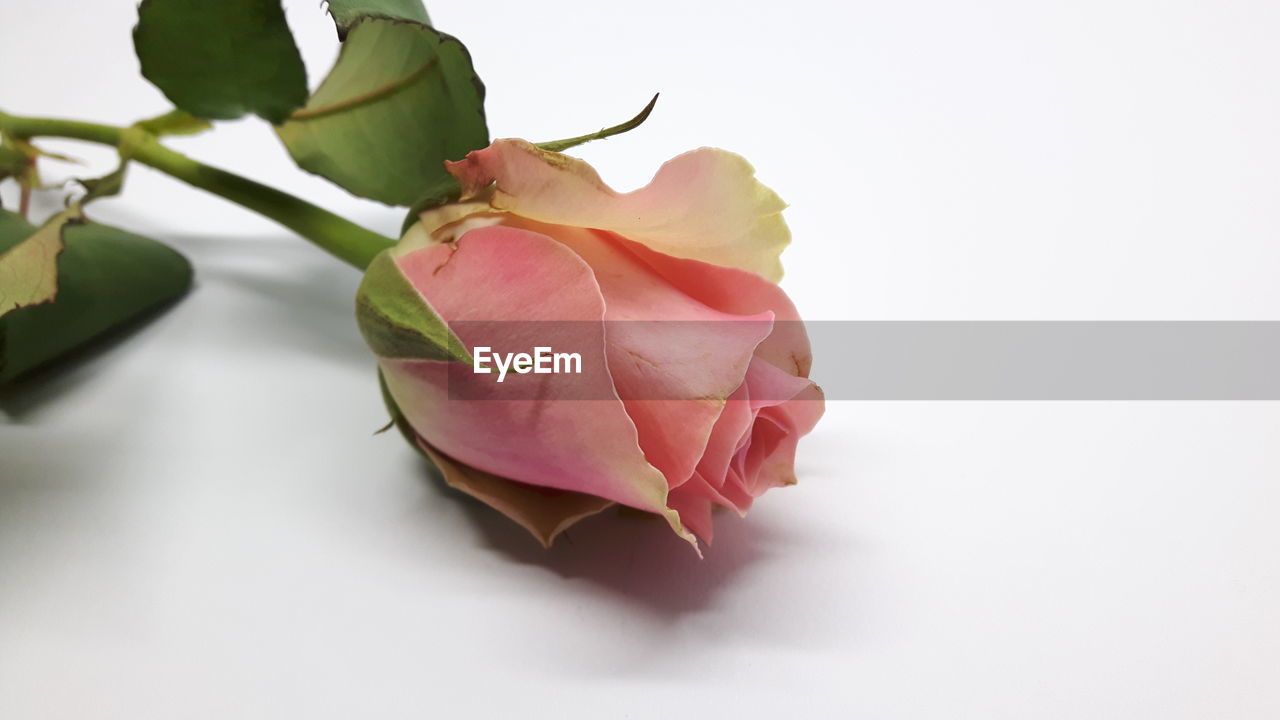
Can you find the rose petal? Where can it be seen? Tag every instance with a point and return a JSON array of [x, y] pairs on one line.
[[741, 293], [705, 204], [796, 418], [446, 223], [694, 501], [786, 408], [673, 360], [587, 446], [753, 444], [726, 438]]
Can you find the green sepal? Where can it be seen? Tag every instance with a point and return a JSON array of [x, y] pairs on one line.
[[397, 322], [632, 124], [398, 419], [221, 60], [106, 279]]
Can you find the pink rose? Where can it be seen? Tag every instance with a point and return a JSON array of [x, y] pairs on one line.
[[693, 391]]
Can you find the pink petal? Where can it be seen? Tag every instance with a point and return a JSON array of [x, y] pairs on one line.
[[741, 293], [794, 418], [515, 277], [694, 501], [730, 431], [674, 361], [786, 408], [753, 444]]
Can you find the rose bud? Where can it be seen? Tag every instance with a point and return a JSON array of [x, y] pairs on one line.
[[693, 388]]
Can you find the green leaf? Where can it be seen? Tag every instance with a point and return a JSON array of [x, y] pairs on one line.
[[105, 278], [402, 99], [632, 124], [348, 12], [397, 322], [29, 263], [221, 60]]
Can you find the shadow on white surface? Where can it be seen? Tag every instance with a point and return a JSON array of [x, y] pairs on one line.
[[302, 300], [294, 299], [632, 555], [22, 401]]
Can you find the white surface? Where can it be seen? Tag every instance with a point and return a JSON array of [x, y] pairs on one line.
[[197, 523]]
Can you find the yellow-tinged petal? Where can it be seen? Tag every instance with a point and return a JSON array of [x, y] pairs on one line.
[[703, 205], [445, 224]]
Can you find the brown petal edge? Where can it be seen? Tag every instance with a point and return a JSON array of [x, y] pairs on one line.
[[544, 512]]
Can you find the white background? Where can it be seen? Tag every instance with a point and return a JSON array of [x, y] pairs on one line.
[[198, 523]]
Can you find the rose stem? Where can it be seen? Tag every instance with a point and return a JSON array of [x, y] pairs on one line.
[[337, 235], [24, 201]]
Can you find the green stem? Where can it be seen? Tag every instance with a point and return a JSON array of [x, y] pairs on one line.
[[337, 235]]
